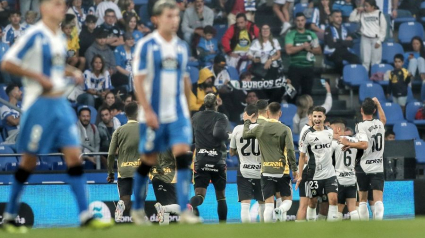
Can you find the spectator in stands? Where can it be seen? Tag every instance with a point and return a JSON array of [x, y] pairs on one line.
[[127, 9], [389, 135], [27, 5], [89, 134], [414, 59], [114, 33], [30, 19], [399, 81], [373, 27], [131, 27], [320, 19], [117, 111], [301, 45], [389, 10], [123, 78], [79, 13], [237, 40], [99, 47], [92, 10], [109, 99], [345, 6], [281, 9], [195, 19], [220, 14], [14, 29], [128, 99], [97, 83], [101, 11], [4, 47], [73, 44], [349, 131], [337, 42], [11, 117], [264, 52], [4, 14], [199, 89], [219, 70], [304, 104], [207, 46], [106, 127], [236, 7], [87, 35]]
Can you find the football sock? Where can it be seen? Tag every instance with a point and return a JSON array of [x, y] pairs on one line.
[[183, 179], [278, 202], [284, 208], [196, 201], [333, 213], [372, 209], [261, 208], [21, 176], [268, 212], [379, 210], [363, 212], [222, 210], [321, 217], [340, 216], [311, 214], [173, 209], [141, 181], [77, 181], [355, 215], [245, 213]]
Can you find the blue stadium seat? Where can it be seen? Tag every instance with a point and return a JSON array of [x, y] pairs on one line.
[[393, 113], [411, 110], [389, 49], [93, 113], [352, 27], [9, 159], [299, 7], [408, 30], [219, 32], [420, 151], [410, 97], [50, 160], [58, 166], [404, 16], [144, 17], [194, 74], [355, 75], [406, 131], [422, 8], [87, 164], [381, 68], [233, 73], [355, 49], [371, 90], [288, 113], [296, 139]]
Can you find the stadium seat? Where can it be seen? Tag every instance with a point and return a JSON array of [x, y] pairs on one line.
[[296, 139], [404, 16], [410, 97], [9, 159], [355, 49], [355, 75], [411, 110], [420, 151], [219, 32], [422, 9], [299, 7], [144, 16], [352, 27], [233, 73], [372, 90], [59, 166], [87, 164], [393, 113], [194, 74], [51, 159], [389, 49], [408, 30], [406, 131], [288, 113], [381, 68], [93, 113]]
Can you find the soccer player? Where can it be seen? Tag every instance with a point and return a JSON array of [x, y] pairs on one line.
[[48, 121], [249, 172], [344, 168], [274, 138], [210, 161], [370, 134], [125, 141], [162, 88], [320, 171]]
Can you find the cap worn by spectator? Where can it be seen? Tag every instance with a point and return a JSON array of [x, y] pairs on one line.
[[220, 59]]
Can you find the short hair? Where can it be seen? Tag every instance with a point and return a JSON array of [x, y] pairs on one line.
[[10, 88], [336, 11], [339, 121], [110, 10], [299, 14], [274, 108], [131, 109], [159, 6], [310, 111], [84, 108], [389, 132], [251, 109], [209, 30], [91, 19], [210, 100], [399, 56], [13, 12], [31, 13], [242, 15], [262, 104], [368, 106], [319, 109], [118, 105], [104, 108], [372, 3]]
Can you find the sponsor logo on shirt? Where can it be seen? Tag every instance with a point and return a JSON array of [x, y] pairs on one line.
[[208, 152], [346, 174], [251, 166], [374, 161], [323, 146]]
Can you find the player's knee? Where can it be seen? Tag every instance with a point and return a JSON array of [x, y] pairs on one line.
[[183, 161], [75, 170], [220, 195], [180, 149]]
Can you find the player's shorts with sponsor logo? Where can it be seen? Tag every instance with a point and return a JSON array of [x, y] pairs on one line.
[[210, 168], [373, 181], [272, 185], [315, 188], [346, 191], [165, 193], [249, 188]]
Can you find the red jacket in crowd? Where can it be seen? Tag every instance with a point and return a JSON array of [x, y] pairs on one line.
[[231, 37]]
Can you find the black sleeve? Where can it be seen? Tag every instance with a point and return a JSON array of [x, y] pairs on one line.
[[329, 40], [220, 127], [408, 78]]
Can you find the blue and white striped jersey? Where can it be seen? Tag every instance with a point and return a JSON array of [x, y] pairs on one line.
[[164, 64], [41, 51], [11, 34]]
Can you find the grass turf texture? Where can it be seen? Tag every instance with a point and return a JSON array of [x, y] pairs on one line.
[[345, 229]]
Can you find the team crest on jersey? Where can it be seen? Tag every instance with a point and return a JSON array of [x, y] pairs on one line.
[[170, 63], [58, 60]]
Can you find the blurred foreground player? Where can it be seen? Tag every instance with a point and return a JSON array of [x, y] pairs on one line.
[[162, 88], [48, 122]]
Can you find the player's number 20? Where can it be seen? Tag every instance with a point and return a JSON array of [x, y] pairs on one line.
[[255, 149]]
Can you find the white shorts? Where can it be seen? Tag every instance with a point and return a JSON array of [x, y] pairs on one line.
[[282, 2], [400, 100]]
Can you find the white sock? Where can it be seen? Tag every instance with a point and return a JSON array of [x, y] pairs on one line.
[[268, 212], [173, 208], [84, 216], [321, 217], [245, 218], [278, 202], [379, 210], [333, 213], [357, 208], [311, 214], [363, 212], [284, 208], [261, 208], [372, 209], [340, 216], [354, 215]]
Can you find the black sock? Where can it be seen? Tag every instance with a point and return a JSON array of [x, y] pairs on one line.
[[144, 169], [222, 210], [196, 201], [22, 175]]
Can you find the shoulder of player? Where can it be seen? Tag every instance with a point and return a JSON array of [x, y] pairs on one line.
[[307, 132], [149, 39]]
